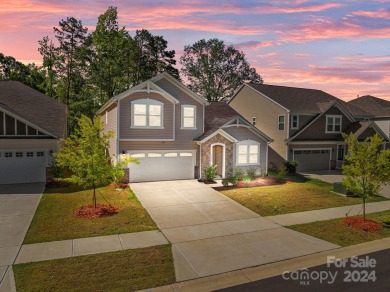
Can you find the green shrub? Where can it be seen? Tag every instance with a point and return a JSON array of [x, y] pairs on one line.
[[263, 173], [210, 172], [282, 172], [225, 182], [251, 172], [57, 170], [291, 166], [238, 173], [233, 180], [246, 180]]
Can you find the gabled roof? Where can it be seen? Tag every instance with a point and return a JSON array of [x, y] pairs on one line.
[[358, 128], [34, 107], [218, 114], [375, 106]]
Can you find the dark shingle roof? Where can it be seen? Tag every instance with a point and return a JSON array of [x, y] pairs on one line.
[[216, 115], [34, 106], [375, 106], [358, 128]]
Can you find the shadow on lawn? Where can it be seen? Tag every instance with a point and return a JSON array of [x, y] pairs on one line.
[[386, 224]]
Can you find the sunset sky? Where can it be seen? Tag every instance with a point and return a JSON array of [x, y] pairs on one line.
[[342, 47]]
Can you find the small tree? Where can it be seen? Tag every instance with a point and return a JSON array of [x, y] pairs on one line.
[[368, 167], [84, 153]]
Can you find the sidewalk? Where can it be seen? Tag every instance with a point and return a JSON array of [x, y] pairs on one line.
[[248, 275], [327, 214]]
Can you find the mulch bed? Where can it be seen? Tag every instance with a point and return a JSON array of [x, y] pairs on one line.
[[57, 184], [119, 186], [89, 212], [257, 182], [209, 182], [359, 223]]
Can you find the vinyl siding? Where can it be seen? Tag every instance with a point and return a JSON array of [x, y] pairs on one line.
[[249, 104], [316, 131], [303, 121], [111, 126]]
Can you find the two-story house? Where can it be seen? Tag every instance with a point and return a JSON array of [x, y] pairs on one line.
[[176, 134], [306, 124]]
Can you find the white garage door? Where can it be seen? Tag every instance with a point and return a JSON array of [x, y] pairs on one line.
[[22, 166], [312, 159], [162, 165]]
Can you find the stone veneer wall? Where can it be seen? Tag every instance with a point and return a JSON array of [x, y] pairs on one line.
[[229, 152]]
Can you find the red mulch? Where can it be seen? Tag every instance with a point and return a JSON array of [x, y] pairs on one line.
[[119, 186], [257, 182], [358, 223], [89, 212], [209, 182]]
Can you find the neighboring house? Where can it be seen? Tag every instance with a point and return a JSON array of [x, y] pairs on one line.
[[176, 134], [378, 108], [31, 125], [306, 124]]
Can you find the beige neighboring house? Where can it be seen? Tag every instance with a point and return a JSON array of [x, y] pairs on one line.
[[31, 125], [176, 134], [306, 124], [378, 108]]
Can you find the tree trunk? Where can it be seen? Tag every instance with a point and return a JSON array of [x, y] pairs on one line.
[[94, 197]]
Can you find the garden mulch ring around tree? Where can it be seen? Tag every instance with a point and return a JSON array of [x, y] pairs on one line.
[[359, 223], [257, 182], [90, 212]]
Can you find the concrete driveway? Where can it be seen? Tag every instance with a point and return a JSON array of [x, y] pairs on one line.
[[212, 234], [17, 207], [332, 176]]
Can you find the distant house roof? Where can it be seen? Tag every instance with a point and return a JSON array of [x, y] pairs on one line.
[[34, 106], [376, 106], [358, 128], [303, 100], [218, 114]]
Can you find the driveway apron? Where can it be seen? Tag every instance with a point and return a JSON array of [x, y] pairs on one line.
[[212, 234], [17, 207]]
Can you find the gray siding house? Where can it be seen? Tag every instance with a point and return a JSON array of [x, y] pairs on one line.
[[176, 134], [31, 126], [306, 124]]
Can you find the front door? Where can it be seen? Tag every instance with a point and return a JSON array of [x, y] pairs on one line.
[[218, 158]]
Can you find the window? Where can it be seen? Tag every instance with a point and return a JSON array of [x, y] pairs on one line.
[[294, 122], [340, 152], [8, 154], [281, 123], [185, 154], [254, 121], [19, 154], [154, 155], [248, 152], [333, 124], [170, 154], [138, 155], [188, 114], [147, 113], [40, 154], [30, 154]]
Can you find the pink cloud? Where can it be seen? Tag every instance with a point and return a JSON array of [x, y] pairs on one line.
[[381, 13], [255, 44], [303, 56]]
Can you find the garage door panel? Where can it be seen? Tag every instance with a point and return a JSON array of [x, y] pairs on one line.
[[168, 166], [22, 167], [312, 159]]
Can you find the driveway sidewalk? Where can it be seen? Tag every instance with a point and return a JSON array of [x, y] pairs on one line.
[[212, 234], [17, 207]]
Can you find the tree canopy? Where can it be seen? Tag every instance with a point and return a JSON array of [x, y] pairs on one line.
[[215, 70]]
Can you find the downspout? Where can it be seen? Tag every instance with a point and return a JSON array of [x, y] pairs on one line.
[[266, 158], [117, 130], [200, 161], [288, 133]]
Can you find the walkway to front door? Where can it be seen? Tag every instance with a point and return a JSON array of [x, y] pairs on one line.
[[212, 234]]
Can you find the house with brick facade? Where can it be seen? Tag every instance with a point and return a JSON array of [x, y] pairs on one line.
[[176, 134]]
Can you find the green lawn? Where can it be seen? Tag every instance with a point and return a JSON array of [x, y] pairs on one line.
[[127, 270], [53, 219], [303, 194], [336, 232]]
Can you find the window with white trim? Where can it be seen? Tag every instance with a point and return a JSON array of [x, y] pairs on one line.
[[147, 113], [281, 123], [188, 117], [294, 121], [254, 121], [248, 152], [333, 124]]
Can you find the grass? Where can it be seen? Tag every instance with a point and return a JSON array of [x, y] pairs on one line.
[[127, 270], [303, 194], [53, 219], [336, 232]]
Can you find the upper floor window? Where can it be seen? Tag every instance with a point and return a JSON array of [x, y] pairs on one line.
[[333, 124], [294, 122], [248, 152], [147, 113], [281, 123], [188, 117], [254, 121]]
